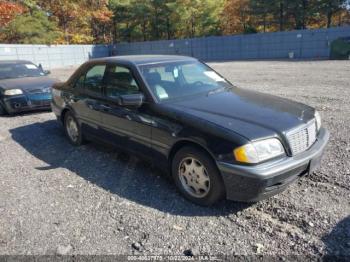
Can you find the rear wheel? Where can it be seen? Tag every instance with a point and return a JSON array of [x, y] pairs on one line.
[[73, 129], [197, 176]]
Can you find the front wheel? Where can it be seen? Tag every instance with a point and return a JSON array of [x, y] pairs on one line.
[[197, 176], [73, 129]]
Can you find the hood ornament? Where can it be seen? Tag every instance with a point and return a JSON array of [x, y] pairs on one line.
[[302, 115]]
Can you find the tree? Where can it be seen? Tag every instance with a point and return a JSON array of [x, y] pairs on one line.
[[161, 14], [237, 16], [100, 20], [104, 21], [263, 13], [122, 20], [82, 21], [329, 8], [8, 12], [141, 17], [300, 11], [32, 28], [67, 13]]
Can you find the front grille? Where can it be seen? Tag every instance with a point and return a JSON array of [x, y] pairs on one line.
[[302, 138]]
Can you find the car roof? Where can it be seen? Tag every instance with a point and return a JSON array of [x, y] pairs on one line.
[[2, 62], [144, 59]]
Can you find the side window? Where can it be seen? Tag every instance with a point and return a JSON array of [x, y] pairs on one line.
[[94, 78], [120, 81]]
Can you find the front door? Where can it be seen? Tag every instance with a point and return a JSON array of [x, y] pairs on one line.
[[130, 128]]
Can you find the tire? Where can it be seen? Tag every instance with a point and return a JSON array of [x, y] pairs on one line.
[[202, 186], [75, 136]]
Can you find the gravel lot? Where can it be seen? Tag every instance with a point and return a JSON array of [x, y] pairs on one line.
[[96, 200]]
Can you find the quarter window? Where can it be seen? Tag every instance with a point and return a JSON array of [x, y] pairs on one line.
[[120, 81]]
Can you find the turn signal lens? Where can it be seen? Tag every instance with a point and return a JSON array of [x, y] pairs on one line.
[[246, 154], [318, 120]]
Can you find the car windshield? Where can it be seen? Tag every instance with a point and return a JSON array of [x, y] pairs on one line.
[[180, 79], [19, 70]]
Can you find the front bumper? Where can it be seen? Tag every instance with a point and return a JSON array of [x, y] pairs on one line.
[[254, 183], [27, 102]]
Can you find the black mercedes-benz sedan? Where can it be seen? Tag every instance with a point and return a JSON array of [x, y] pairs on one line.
[[23, 87], [215, 140]]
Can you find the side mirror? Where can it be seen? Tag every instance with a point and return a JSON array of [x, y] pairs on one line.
[[47, 72], [133, 100]]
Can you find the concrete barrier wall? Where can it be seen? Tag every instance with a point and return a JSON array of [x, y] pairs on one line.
[[303, 44], [53, 56]]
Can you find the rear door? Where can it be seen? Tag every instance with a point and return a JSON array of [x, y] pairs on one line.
[[88, 98]]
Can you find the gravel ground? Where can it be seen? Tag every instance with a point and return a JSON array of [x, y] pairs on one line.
[[96, 200]]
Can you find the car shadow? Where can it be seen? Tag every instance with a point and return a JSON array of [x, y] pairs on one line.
[[338, 242], [113, 170], [26, 113]]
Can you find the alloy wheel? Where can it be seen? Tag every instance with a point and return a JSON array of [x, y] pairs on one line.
[[72, 129], [194, 177]]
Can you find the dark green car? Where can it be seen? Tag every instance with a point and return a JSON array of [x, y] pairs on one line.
[[23, 87]]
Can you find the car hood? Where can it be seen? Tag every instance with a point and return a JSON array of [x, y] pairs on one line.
[[27, 83], [251, 114]]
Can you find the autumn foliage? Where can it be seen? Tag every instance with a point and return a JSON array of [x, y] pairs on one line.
[[236, 17], [81, 21], [249, 16], [106, 21], [8, 11], [55, 21]]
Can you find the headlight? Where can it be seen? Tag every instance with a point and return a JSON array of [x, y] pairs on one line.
[[259, 151], [318, 120], [13, 92]]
